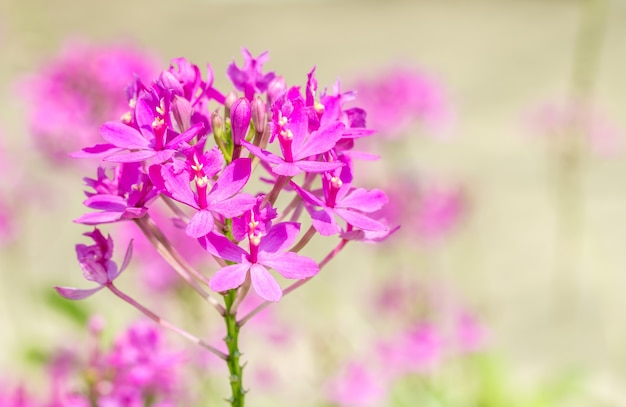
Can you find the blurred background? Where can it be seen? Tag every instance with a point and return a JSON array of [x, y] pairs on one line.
[[536, 250]]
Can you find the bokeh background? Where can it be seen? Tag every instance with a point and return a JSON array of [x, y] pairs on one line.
[[546, 317]]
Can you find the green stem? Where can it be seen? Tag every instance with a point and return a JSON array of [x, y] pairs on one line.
[[232, 343]]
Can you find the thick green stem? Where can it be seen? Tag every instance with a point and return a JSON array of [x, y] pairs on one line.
[[232, 343]]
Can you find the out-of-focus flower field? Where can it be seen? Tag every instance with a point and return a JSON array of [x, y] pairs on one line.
[[500, 144]]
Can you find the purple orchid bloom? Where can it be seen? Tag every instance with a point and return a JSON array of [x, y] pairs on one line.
[[224, 198], [349, 203], [154, 140], [267, 250], [250, 78], [126, 196], [97, 266], [290, 126]]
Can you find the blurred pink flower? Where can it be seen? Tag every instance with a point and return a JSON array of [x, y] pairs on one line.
[[358, 385], [418, 349], [401, 97], [428, 210], [16, 397], [557, 121], [470, 333], [78, 90]]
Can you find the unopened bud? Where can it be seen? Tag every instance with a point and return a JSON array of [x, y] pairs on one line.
[[240, 114], [275, 89], [228, 103], [259, 114], [182, 111]]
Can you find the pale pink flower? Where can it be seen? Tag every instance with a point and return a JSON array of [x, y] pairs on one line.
[[401, 97], [428, 210], [558, 121], [358, 385]]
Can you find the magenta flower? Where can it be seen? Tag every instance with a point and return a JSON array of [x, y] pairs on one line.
[[250, 78], [77, 91], [342, 200], [224, 198], [123, 197], [266, 251], [300, 148], [154, 140], [97, 266]]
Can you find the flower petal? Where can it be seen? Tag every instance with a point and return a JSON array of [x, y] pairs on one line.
[[360, 220], [319, 141], [292, 265], [324, 222], [76, 293], [264, 284], [232, 180], [122, 135], [223, 248], [364, 200], [264, 155], [229, 277], [200, 224], [234, 206], [279, 238]]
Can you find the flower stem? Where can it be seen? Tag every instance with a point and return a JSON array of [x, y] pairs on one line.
[[232, 343], [164, 323]]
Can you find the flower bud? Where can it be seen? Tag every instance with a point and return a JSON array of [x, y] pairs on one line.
[[240, 114], [228, 103], [182, 111], [217, 124], [259, 115], [275, 89]]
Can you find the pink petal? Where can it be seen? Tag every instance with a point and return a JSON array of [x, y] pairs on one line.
[[291, 265], [76, 293], [111, 203], [235, 206], [96, 218], [262, 154], [364, 200], [319, 141], [264, 284], [223, 248], [229, 277], [360, 220], [232, 180], [317, 166], [279, 238], [134, 157], [324, 222], [122, 135], [200, 224]]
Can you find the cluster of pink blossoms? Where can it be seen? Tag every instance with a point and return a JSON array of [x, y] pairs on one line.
[[419, 346], [170, 145], [139, 370]]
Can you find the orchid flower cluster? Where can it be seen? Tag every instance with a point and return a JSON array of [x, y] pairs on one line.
[[194, 147]]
